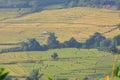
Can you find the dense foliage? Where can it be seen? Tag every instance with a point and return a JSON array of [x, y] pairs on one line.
[[117, 39], [52, 41], [95, 41], [38, 5]]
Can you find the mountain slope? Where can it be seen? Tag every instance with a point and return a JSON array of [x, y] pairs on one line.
[[42, 4]]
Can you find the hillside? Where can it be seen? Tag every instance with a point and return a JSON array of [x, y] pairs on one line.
[[66, 22], [73, 63], [38, 5], [74, 22]]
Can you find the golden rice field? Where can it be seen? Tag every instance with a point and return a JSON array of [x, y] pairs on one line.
[[66, 23], [8, 13]]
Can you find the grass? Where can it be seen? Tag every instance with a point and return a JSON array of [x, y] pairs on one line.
[[72, 63]]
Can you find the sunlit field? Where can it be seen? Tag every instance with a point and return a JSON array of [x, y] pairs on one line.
[[8, 13], [72, 63], [75, 22]]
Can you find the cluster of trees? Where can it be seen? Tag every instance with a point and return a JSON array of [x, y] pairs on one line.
[[30, 45], [95, 41], [93, 3], [37, 5], [14, 3]]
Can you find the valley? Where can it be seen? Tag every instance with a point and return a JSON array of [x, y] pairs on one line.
[[72, 63]]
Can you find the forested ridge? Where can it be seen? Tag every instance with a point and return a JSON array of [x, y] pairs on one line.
[[42, 4]]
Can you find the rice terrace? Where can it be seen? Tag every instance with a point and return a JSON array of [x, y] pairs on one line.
[[73, 42]]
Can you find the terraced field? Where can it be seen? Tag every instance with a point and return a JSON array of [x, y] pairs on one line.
[[8, 13], [66, 23], [72, 63]]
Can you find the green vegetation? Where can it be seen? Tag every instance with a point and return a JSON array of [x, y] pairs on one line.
[[34, 75], [52, 41], [71, 64], [54, 56], [75, 29], [117, 72], [79, 23], [50, 78], [38, 5], [3, 74], [96, 41], [119, 26]]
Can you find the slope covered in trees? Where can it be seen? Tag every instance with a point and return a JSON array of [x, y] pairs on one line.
[[42, 4]]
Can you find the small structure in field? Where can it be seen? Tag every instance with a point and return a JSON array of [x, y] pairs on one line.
[[45, 32]]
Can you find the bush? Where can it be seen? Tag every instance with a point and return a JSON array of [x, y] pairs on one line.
[[34, 75]]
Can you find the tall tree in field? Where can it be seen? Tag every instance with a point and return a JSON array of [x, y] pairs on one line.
[[34, 75], [54, 56], [52, 41]]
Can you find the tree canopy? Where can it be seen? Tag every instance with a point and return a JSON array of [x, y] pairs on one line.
[[52, 41], [37, 5]]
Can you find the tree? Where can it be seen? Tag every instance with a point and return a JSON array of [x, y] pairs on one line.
[[117, 39], [108, 45], [118, 5], [54, 56], [35, 5], [94, 41], [86, 78], [72, 43], [24, 46], [31, 45], [52, 42], [105, 43], [113, 47], [34, 75]]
